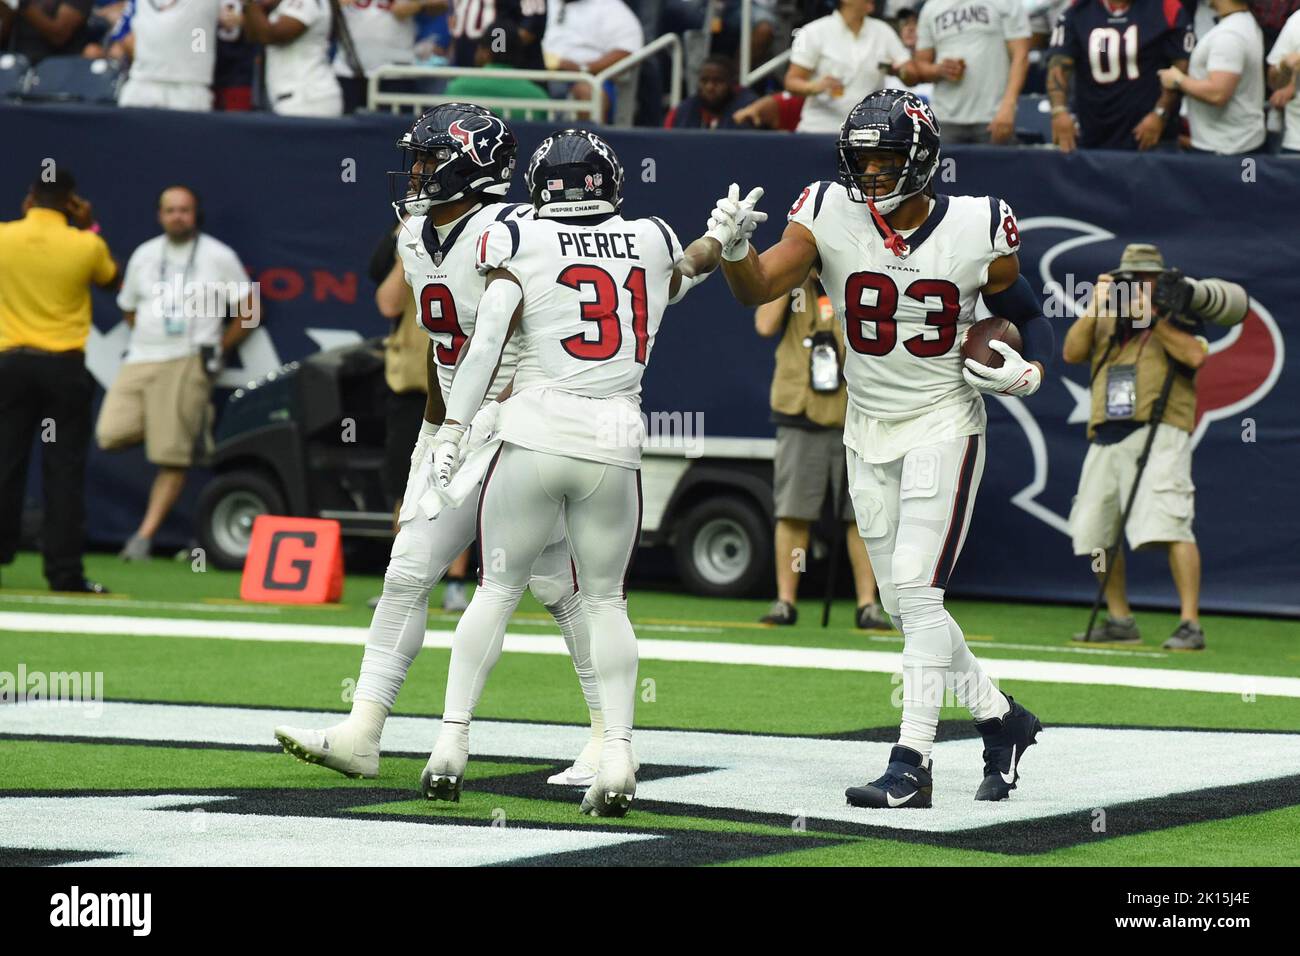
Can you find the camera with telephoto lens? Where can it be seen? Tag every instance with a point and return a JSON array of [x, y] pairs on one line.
[[1172, 297]]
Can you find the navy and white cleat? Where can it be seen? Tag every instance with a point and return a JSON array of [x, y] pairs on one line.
[[1005, 741], [906, 782]]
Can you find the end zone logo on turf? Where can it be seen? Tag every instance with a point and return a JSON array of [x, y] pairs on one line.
[[73, 909], [84, 689]]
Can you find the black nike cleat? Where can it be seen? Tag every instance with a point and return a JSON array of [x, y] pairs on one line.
[[1005, 741], [905, 783]]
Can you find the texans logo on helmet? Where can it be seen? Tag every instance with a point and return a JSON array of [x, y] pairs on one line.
[[921, 115], [480, 135]]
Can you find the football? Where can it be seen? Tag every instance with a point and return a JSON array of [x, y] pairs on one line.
[[976, 343]]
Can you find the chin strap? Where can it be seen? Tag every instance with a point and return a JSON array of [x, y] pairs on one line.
[[893, 241]]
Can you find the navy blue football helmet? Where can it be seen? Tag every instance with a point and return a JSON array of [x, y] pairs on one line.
[[893, 121], [574, 173], [465, 151]]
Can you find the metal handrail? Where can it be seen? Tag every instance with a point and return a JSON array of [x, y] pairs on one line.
[[748, 76], [589, 107]]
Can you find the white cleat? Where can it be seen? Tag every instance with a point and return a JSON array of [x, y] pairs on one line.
[[444, 774], [334, 747], [583, 771], [610, 795]]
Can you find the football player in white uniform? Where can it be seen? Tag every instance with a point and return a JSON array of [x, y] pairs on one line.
[[904, 267], [584, 289], [460, 159]]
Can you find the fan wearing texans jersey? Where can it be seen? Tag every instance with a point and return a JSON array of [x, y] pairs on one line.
[[1113, 50], [459, 163], [583, 290], [905, 268]]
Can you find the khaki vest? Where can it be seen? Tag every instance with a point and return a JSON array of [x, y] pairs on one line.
[[406, 355], [1144, 350], [792, 392]]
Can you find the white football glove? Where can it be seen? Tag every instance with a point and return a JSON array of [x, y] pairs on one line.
[[446, 452], [1015, 377], [422, 453], [734, 220]]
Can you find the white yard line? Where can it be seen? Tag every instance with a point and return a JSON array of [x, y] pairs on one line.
[[705, 652]]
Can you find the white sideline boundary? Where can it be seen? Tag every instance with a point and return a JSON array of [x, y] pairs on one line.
[[658, 649]]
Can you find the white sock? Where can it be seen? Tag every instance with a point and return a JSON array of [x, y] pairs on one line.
[[614, 660], [367, 722], [396, 636], [476, 648], [973, 688], [572, 620], [927, 655]]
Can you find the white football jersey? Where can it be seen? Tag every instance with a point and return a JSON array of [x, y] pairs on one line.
[[447, 287], [904, 318], [593, 299]]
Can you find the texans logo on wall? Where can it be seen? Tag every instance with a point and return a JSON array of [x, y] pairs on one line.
[[1243, 364]]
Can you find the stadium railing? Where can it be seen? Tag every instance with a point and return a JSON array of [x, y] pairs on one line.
[[393, 101], [749, 75]]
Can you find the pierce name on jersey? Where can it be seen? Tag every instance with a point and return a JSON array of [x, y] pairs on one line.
[[903, 318], [594, 295], [447, 287]]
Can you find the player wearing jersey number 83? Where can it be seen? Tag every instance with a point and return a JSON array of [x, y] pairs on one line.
[[904, 266]]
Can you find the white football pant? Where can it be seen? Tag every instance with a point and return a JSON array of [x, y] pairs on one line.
[[913, 514], [422, 552], [524, 493]]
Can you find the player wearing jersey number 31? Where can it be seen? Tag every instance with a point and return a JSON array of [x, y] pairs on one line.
[[905, 267], [584, 289]]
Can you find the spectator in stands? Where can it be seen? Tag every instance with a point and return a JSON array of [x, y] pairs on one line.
[[589, 35], [41, 28], [383, 34], [299, 79], [905, 21], [499, 48], [470, 19], [1283, 65], [48, 261], [232, 80], [775, 111], [839, 59], [726, 30], [809, 400], [717, 98], [1224, 84], [1118, 100], [976, 52], [169, 70], [1133, 348], [179, 290]]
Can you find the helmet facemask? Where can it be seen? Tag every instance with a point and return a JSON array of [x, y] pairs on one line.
[[887, 188], [416, 190]]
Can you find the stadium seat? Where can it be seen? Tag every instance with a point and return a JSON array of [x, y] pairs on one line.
[[15, 71], [75, 78], [1033, 119]]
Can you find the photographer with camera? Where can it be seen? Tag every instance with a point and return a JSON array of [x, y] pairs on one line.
[[1140, 336], [188, 301], [49, 259]]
